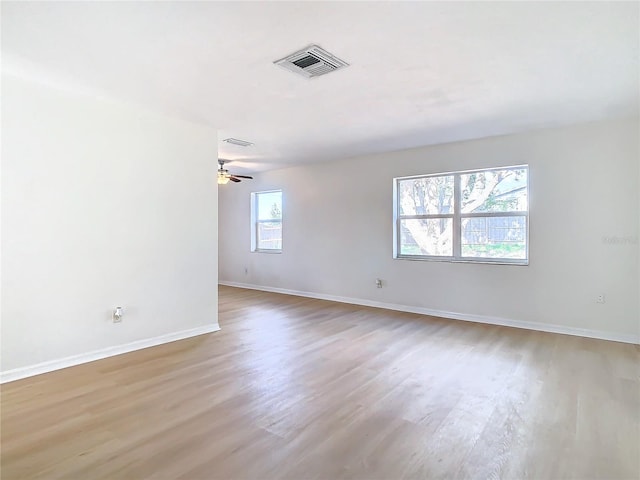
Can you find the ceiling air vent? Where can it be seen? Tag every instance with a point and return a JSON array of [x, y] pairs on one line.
[[235, 141], [313, 61]]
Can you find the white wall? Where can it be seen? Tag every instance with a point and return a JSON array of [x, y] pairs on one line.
[[338, 233], [103, 204]]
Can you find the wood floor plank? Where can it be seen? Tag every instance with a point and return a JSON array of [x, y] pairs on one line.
[[295, 388]]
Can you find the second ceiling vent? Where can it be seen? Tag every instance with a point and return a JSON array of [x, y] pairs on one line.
[[312, 61]]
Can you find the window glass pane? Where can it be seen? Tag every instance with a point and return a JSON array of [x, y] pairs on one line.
[[433, 236], [269, 205], [494, 237], [427, 195], [494, 191], [269, 236]]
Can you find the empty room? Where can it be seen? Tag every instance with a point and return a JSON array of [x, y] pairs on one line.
[[320, 240]]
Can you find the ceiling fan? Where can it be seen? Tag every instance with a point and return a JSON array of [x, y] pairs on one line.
[[224, 176]]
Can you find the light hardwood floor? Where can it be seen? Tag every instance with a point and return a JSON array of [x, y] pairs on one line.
[[301, 388]]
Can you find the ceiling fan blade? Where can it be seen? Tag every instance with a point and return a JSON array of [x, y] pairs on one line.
[[243, 176], [234, 179]]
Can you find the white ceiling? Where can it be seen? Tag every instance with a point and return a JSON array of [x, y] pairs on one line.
[[421, 72]]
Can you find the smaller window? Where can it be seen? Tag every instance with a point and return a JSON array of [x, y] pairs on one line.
[[266, 221]]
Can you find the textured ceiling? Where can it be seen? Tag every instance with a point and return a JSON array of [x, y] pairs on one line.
[[420, 72]]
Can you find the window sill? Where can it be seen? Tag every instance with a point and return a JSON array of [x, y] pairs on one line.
[[484, 261], [266, 251]]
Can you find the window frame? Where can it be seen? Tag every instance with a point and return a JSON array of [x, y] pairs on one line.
[[255, 222], [456, 217]]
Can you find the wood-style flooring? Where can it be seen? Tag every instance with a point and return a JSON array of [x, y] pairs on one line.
[[300, 388]]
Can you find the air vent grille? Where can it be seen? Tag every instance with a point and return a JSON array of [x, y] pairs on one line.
[[313, 61], [235, 141]]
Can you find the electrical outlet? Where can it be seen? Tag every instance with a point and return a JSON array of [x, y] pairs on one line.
[[117, 315], [600, 298], [246, 271], [378, 283]]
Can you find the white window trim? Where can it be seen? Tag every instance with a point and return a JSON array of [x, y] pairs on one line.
[[456, 217], [255, 222]]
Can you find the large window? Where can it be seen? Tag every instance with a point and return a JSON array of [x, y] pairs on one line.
[[472, 216], [266, 221]]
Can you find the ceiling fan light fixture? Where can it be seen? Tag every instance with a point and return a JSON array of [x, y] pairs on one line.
[[224, 176]]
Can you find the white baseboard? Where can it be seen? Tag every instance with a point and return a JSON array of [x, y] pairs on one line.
[[44, 367], [505, 322]]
